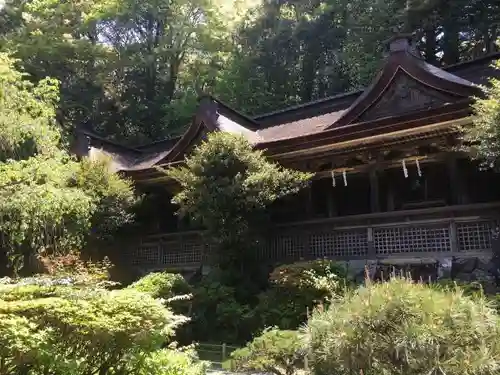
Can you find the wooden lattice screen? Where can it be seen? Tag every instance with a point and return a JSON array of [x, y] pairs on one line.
[[356, 243]]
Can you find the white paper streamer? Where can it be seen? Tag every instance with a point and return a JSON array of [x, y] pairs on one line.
[[419, 171], [345, 177], [334, 183], [405, 170]]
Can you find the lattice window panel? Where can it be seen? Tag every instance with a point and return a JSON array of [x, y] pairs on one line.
[[189, 251], [411, 240], [146, 254], [340, 244], [169, 249], [285, 247], [474, 236]]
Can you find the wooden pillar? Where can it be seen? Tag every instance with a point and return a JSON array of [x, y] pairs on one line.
[[458, 193], [374, 190], [332, 204], [309, 200], [391, 204]]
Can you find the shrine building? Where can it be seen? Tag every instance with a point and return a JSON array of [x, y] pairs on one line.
[[390, 185]]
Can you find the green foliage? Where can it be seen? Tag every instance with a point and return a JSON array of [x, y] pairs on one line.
[[401, 327], [277, 352], [112, 195], [217, 315], [162, 285], [322, 275], [170, 287], [483, 138], [66, 330], [226, 185], [296, 289], [26, 114], [141, 66], [47, 200], [468, 289], [288, 52], [173, 362]]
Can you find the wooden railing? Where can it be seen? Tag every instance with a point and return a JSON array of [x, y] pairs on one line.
[[456, 230]]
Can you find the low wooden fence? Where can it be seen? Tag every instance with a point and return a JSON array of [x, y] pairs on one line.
[[216, 354]]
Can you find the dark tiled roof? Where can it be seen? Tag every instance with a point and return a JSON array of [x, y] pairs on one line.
[[309, 118], [300, 127], [295, 122], [164, 144], [478, 71]]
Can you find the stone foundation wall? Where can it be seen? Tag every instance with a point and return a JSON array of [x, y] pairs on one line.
[[465, 269]]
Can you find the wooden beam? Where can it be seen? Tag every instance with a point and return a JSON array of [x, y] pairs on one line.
[[389, 164], [374, 190]]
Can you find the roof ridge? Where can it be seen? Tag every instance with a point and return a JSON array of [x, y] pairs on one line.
[[470, 62], [95, 136], [168, 138], [360, 91], [231, 109], [307, 104]]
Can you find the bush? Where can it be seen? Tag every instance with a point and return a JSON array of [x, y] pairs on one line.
[[63, 330], [162, 285], [173, 362], [75, 270], [217, 316], [275, 351], [400, 327], [296, 289], [469, 289]]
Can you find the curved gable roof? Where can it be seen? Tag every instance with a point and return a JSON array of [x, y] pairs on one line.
[[212, 115], [424, 85]]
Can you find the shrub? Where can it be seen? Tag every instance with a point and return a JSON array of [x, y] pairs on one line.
[[76, 270], [275, 351], [296, 289], [162, 285], [64, 330], [469, 289], [217, 315], [173, 362], [400, 327]]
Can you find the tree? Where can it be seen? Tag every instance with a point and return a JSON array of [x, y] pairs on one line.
[[290, 52], [482, 139], [48, 201], [141, 66], [226, 186]]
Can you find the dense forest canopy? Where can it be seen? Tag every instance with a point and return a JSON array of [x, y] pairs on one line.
[[133, 70]]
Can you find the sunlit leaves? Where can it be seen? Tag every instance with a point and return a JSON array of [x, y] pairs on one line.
[[403, 327], [225, 182], [48, 201], [64, 330], [483, 139], [26, 114]]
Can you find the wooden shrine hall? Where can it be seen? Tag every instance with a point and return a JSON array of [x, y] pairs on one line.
[[389, 185]]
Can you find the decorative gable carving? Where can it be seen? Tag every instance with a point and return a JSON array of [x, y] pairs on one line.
[[404, 95]]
